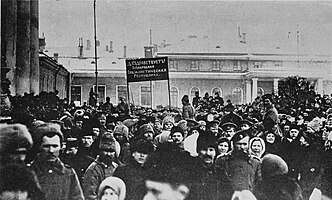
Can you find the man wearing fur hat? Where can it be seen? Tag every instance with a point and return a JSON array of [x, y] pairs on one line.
[[121, 134], [177, 137], [213, 182], [103, 167], [188, 111], [243, 170], [57, 180], [134, 173], [15, 141]]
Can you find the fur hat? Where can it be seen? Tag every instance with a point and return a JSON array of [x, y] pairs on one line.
[[107, 142], [203, 142], [116, 184], [273, 165], [146, 128], [177, 129], [141, 146], [130, 122], [168, 119], [239, 135], [49, 130], [121, 130], [183, 124], [13, 136]]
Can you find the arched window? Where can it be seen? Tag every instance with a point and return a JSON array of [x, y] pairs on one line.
[[192, 93], [174, 96], [216, 89], [260, 92], [237, 95]]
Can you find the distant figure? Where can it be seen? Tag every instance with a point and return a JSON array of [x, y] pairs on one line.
[[92, 98], [188, 112]]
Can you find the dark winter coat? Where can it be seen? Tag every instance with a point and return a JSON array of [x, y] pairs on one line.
[[94, 175], [244, 172], [58, 181], [134, 176]]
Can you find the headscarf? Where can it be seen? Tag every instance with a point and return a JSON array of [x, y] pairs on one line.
[[114, 183]]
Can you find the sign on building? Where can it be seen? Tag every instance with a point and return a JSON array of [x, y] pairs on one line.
[[147, 69]]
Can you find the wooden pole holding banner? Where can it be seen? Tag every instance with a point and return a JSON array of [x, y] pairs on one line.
[[151, 92], [128, 96], [169, 94]]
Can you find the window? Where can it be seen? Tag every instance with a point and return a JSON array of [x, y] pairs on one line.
[[121, 91], [101, 92], [173, 65], [215, 65], [237, 66], [260, 92], [174, 96], [257, 64], [216, 89], [192, 92], [194, 65], [76, 94], [278, 64], [237, 95], [145, 96]]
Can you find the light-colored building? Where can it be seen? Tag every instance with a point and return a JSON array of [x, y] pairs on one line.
[[237, 70]]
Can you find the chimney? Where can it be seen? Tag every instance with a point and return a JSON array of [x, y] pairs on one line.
[[106, 48], [42, 44], [111, 46], [80, 47], [150, 37], [124, 51], [148, 52], [56, 56], [88, 45]]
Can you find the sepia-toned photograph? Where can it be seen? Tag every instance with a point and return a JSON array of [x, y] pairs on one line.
[[166, 100]]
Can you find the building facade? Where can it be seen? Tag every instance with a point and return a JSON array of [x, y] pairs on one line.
[[234, 71]]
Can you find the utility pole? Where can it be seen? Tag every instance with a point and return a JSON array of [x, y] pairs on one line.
[[95, 37]]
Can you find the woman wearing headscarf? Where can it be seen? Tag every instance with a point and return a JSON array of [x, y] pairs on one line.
[[256, 147], [112, 188]]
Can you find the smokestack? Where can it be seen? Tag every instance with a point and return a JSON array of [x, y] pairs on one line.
[[124, 51], [88, 45], [111, 46], [150, 37], [80, 47], [56, 56], [106, 48]]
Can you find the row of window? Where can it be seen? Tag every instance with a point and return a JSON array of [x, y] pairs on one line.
[[217, 65], [145, 94]]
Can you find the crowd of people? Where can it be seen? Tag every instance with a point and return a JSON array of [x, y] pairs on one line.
[[209, 149]]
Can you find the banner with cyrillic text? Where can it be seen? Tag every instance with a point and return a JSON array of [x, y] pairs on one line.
[[147, 69]]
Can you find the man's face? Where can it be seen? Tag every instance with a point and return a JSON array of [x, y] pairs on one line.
[[177, 138], [229, 133], [214, 129], [158, 125], [242, 145], [79, 124], [207, 155], [286, 128], [140, 157], [267, 102], [96, 131], [256, 147], [270, 138], [50, 148], [87, 140], [164, 191], [119, 137], [293, 133], [223, 147], [148, 135], [168, 126], [102, 120]]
